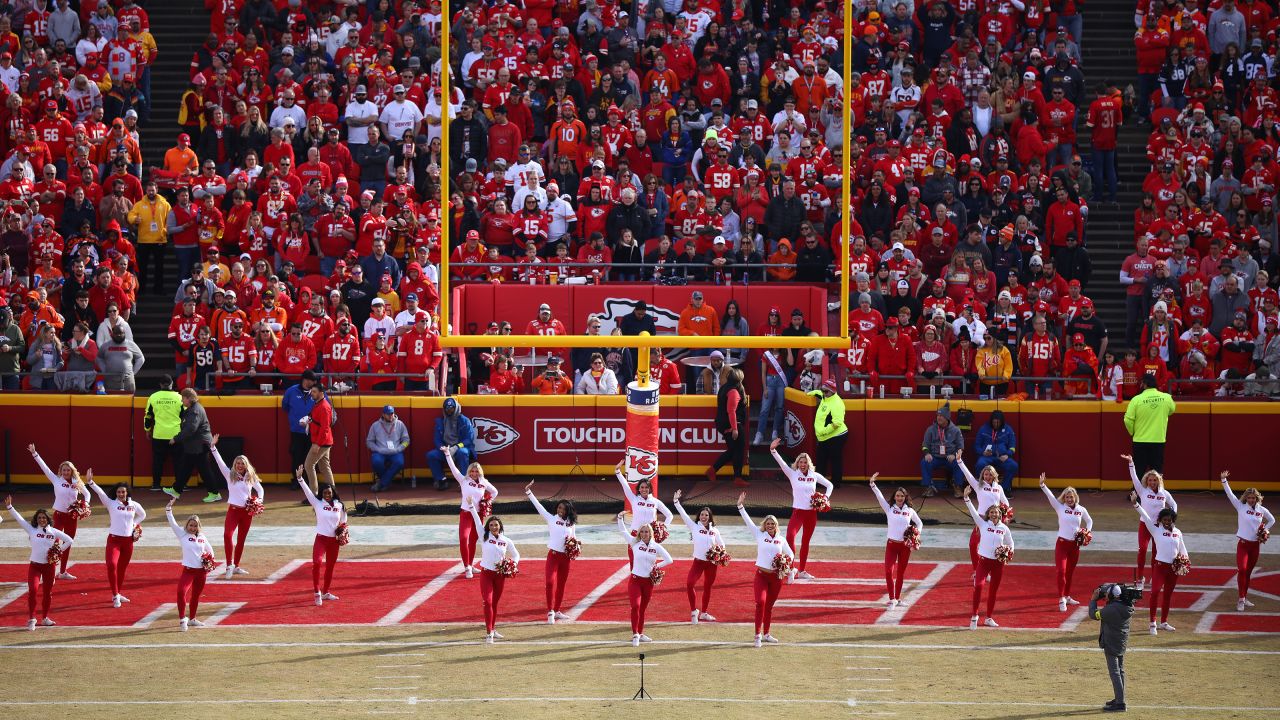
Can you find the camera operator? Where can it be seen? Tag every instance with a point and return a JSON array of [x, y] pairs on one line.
[[1113, 635], [552, 381]]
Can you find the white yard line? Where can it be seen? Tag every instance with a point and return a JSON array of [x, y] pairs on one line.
[[423, 594], [600, 591]]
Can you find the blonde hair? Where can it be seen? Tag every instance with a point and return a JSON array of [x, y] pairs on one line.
[[643, 529], [1062, 496], [477, 467], [250, 475], [1159, 479], [994, 474], [1253, 490], [764, 521], [199, 525], [75, 474], [807, 459]]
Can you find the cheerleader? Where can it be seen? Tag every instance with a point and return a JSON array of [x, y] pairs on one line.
[[43, 537], [644, 506], [67, 488], [1168, 546], [196, 551], [126, 518], [330, 513], [897, 553], [993, 533], [560, 527], [494, 548], [1154, 498], [766, 584], [1072, 518], [705, 536], [474, 489], [646, 556], [242, 484], [990, 494], [1251, 520], [804, 516]]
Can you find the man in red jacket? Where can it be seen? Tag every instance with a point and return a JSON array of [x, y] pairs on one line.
[[320, 429], [891, 354], [1064, 216], [1152, 44]]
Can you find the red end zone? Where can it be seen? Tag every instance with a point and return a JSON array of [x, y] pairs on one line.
[[388, 592]]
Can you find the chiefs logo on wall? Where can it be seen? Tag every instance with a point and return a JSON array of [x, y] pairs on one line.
[[641, 464], [792, 430], [492, 435], [617, 308]]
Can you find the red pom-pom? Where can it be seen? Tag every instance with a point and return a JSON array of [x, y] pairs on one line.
[[660, 533], [1006, 512], [820, 502], [507, 567], [207, 562], [911, 536], [484, 508], [656, 576], [80, 509], [137, 533], [1181, 565], [55, 553], [782, 565], [572, 547], [343, 534], [718, 555], [1004, 554], [1263, 534], [254, 506], [1083, 537]]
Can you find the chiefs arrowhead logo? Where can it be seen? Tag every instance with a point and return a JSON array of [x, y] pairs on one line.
[[792, 430], [643, 464], [492, 436]]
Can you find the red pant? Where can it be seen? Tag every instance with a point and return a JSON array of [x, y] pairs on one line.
[[996, 571], [491, 585], [805, 520], [43, 573], [1144, 539], [67, 523], [973, 548], [1163, 581], [639, 591], [467, 538], [896, 553], [119, 553], [1066, 553], [696, 570], [325, 548], [237, 524], [190, 585], [1246, 561], [557, 574], [765, 586]]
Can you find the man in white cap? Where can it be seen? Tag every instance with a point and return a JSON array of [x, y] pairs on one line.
[[387, 440], [399, 116]]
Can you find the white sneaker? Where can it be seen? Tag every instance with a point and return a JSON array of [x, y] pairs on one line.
[[991, 622], [561, 616], [115, 601], [635, 641], [496, 635], [319, 599], [489, 638], [804, 575], [47, 622], [241, 571], [693, 617], [758, 439], [1072, 601], [330, 596], [893, 603], [66, 576], [1062, 604], [231, 570], [195, 623], [1166, 626], [1240, 605], [469, 574], [1246, 602], [769, 638], [759, 640], [551, 618], [973, 623], [707, 617], [1153, 629], [182, 625], [901, 604], [645, 638], [123, 599], [31, 624]]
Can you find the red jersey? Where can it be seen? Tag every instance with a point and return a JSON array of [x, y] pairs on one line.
[[419, 351], [342, 353], [292, 358]]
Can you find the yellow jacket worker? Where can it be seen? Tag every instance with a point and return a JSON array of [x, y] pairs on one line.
[[1147, 420], [830, 431], [148, 217]]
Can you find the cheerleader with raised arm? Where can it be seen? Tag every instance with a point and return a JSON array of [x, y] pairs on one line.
[[1075, 530], [990, 494], [647, 558], [70, 503], [804, 515], [1253, 527], [562, 546], [898, 547], [993, 536], [126, 518], [47, 544], [708, 553], [499, 559], [774, 563], [645, 507], [244, 500], [1171, 559], [1153, 498], [197, 561], [331, 521], [475, 490]]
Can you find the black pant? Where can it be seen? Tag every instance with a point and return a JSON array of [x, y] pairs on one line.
[[197, 461], [1115, 668], [734, 452], [1148, 456], [161, 450], [299, 446], [149, 253], [831, 457]]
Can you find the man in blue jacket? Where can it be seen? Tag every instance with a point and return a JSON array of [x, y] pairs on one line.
[[297, 404], [453, 429], [996, 445]]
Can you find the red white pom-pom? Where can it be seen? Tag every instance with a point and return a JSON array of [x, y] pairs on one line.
[[656, 575], [485, 507], [1004, 554], [254, 506], [1181, 565], [343, 534], [137, 533], [820, 502], [660, 533], [782, 565], [1263, 534], [506, 567], [911, 536], [1006, 512], [572, 547], [207, 562], [1083, 537], [80, 509], [55, 553], [718, 555]]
